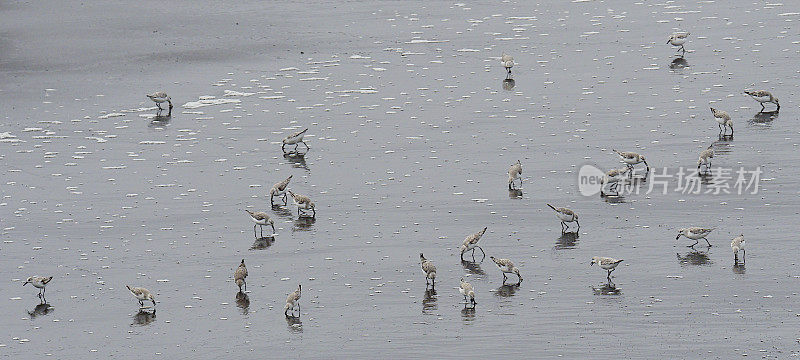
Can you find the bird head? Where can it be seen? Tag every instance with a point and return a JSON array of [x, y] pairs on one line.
[[28, 281], [595, 260], [680, 232]]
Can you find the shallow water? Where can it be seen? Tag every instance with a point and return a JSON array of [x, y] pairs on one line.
[[411, 131]]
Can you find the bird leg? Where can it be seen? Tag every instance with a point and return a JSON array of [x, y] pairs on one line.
[[273, 228], [484, 254], [255, 235], [744, 256], [270, 199], [285, 199], [304, 143], [692, 246], [579, 225], [709, 244], [283, 148]]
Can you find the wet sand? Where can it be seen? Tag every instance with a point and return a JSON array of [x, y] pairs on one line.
[[412, 129]]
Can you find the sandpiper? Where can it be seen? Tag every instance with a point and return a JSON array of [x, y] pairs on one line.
[[507, 267], [678, 39], [295, 139], [429, 269], [565, 215], [303, 202], [514, 173], [471, 242], [291, 301], [467, 290], [606, 263], [738, 244], [508, 62], [705, 158], [612, 177], [260, 218], [160, 97], [631, 158], [142, 295], [39, 282], [762, 97], [239, 276], [694, 233], [279, 190], [724, 121]]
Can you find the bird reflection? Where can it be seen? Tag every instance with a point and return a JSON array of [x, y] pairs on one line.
[[607, 289], [508, 84], [297, 159], [243, 302], [738, 268], [678, 63], [567, 240], [160, 120], [618, 198], [472, 267], [468, 314], [507, 290], [694, 258], [303, 223], [263, 243], [144, 317], [283, 212], [764, 117], [40, 310], [515, 193], [294, 324], [429, 301]]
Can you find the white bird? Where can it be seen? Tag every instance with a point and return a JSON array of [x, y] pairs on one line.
[[763, 96], [705, 158], [260, 218], [429, 269], [738, 244], [279, 190], [142, 295], [468, 291], [303, 202], [606, 263], [471, 242], [514, 173], [678, 39], [507, 267], [291, 301], [565, 215], [695, 233], [612, 177], [239, 276], [160, 97], [39, 282], [295, 139], [631, 158], [507, 61], [723, 119]]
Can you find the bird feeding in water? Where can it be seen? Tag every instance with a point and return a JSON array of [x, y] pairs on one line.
[[724, 121], [507, 267], [678, 39], [279, 190], [160, 97], [606, 263], [631, 158], [292, 301], [763, 96], [565, 215], [467, 291], [508, 63], [514, 173], [695, 233], [738, 244], [260, 218], [303, 203], [471, 242], [295, 139], [429, 269], [239, 276], [39, 282], [142, 295]]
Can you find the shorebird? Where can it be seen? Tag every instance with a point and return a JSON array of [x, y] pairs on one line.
[[292, 300], [613, 177], [239, 276], [303, 202], [724, 121], [160, 97], [631, 158], [606, 263], [762, 97], [507, 267], [565, 215], [514, 173], [694, 233], [467, 290], [738, 244], [295, 139], [279, 190], [705, 158], [429, 269], [39, 282], [260, 218], [508, 62], [471, 242], [142, 295], [678, 39]]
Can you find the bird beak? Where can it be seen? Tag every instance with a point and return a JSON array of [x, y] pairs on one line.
[[678, 237], [25, 283]]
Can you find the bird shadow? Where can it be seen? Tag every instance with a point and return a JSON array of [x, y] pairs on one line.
[[694, 257], [614, 198], [243, 302], [297, 159], [262, 243], [429, 301], [468, 314], [738, 268], [567, 240], [509, 83], [507, 290], [41, 309], [159, 120], [144, 317], [763, 118], [515, 193], [283, 212], [609, 288], [473, 267], [294, 324], [304, 223], [678, 62]]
